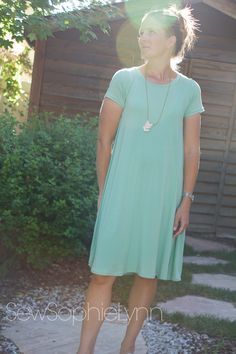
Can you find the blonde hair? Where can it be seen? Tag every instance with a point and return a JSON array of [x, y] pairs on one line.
[[180, 23]]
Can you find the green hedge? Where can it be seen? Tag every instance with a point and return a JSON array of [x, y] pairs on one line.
[[48, 187]]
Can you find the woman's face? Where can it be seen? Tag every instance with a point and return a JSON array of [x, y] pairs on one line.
[[152, 39]]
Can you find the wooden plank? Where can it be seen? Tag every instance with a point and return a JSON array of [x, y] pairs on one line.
[[230, 190], [205, 176], [209, 156], [192, 2], [209, 121], [203, 187], [73, 35], [228, 7], [76, 81], [207, 165], [209, 199], [96, 46], [84, 104], [225, 230], [202, 219], [69, 102], [199, 208], [37, 77], [214, 132], [228, 212], [99, 59], [231, 168], [68, 91], [199, 228], [214, 54], [233, 138], [213, 144], [212, 88], [222, 188], [216, 83], [233, 144], [224, 98], [77, 68], [213, 65], [228, 200], [216, 109], [226, 221], [230, 179], [221, 42], [231, 157], [215, 147], [67, 110]]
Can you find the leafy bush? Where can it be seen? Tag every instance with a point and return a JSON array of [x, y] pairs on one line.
[[48, 187]]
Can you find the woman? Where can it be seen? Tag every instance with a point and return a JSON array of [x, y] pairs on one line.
[[146, 179]]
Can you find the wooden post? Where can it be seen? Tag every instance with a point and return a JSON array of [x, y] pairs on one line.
[[37, 77]]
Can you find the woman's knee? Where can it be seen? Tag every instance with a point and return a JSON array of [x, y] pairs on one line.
[[100, 279], [144, 280]]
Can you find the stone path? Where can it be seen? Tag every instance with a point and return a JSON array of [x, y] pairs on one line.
[[203, 305], [203, 245], [60, 335], [222, 281], [204, 260], [197, 305]]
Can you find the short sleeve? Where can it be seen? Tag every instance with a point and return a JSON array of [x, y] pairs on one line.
[[116, 89], [195, 105]]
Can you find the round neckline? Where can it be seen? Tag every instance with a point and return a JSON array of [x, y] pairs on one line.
[[156, 83]]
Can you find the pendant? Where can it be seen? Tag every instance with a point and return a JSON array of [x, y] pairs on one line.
[[147, 126]]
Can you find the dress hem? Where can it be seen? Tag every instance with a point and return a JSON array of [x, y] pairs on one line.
[[133, 272]]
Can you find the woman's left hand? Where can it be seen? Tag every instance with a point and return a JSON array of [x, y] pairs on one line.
[[181, 217]]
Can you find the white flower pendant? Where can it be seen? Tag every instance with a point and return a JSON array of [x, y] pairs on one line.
[[147, 126]]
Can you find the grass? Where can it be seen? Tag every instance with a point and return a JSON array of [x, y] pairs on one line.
[[224, 329]]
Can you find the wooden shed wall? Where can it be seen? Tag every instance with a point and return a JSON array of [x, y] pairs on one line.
[[74, 77], [213, 65]]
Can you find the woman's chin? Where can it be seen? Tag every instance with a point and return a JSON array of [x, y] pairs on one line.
[[147, 57]]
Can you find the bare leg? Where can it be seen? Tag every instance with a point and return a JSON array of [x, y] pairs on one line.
[[98, 298], [140, 299]]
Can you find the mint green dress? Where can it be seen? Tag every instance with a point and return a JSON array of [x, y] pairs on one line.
[[133, 232]]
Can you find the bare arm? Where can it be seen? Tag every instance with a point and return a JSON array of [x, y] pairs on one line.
[[192, 128], [109, 117]]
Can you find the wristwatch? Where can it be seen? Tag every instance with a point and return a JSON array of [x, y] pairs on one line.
[[189, 194]]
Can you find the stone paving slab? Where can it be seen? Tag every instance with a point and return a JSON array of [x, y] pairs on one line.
[[201, 245], [60, 334], [223, 281], [197, 305], [204, 260]]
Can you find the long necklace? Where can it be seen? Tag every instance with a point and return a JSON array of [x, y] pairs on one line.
[[148, 125]]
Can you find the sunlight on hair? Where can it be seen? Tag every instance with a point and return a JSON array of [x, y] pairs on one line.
[[136, 10]]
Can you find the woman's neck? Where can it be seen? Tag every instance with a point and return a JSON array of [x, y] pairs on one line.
[[158, 71]]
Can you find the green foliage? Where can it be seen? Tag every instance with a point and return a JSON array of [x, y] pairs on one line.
[[12, 66], [48, 187], [38, 19]]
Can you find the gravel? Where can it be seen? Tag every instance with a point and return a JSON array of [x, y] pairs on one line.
[[167, 338], [160, 337]]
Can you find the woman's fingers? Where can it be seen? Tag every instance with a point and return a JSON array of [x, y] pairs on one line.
[[180, 224]]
